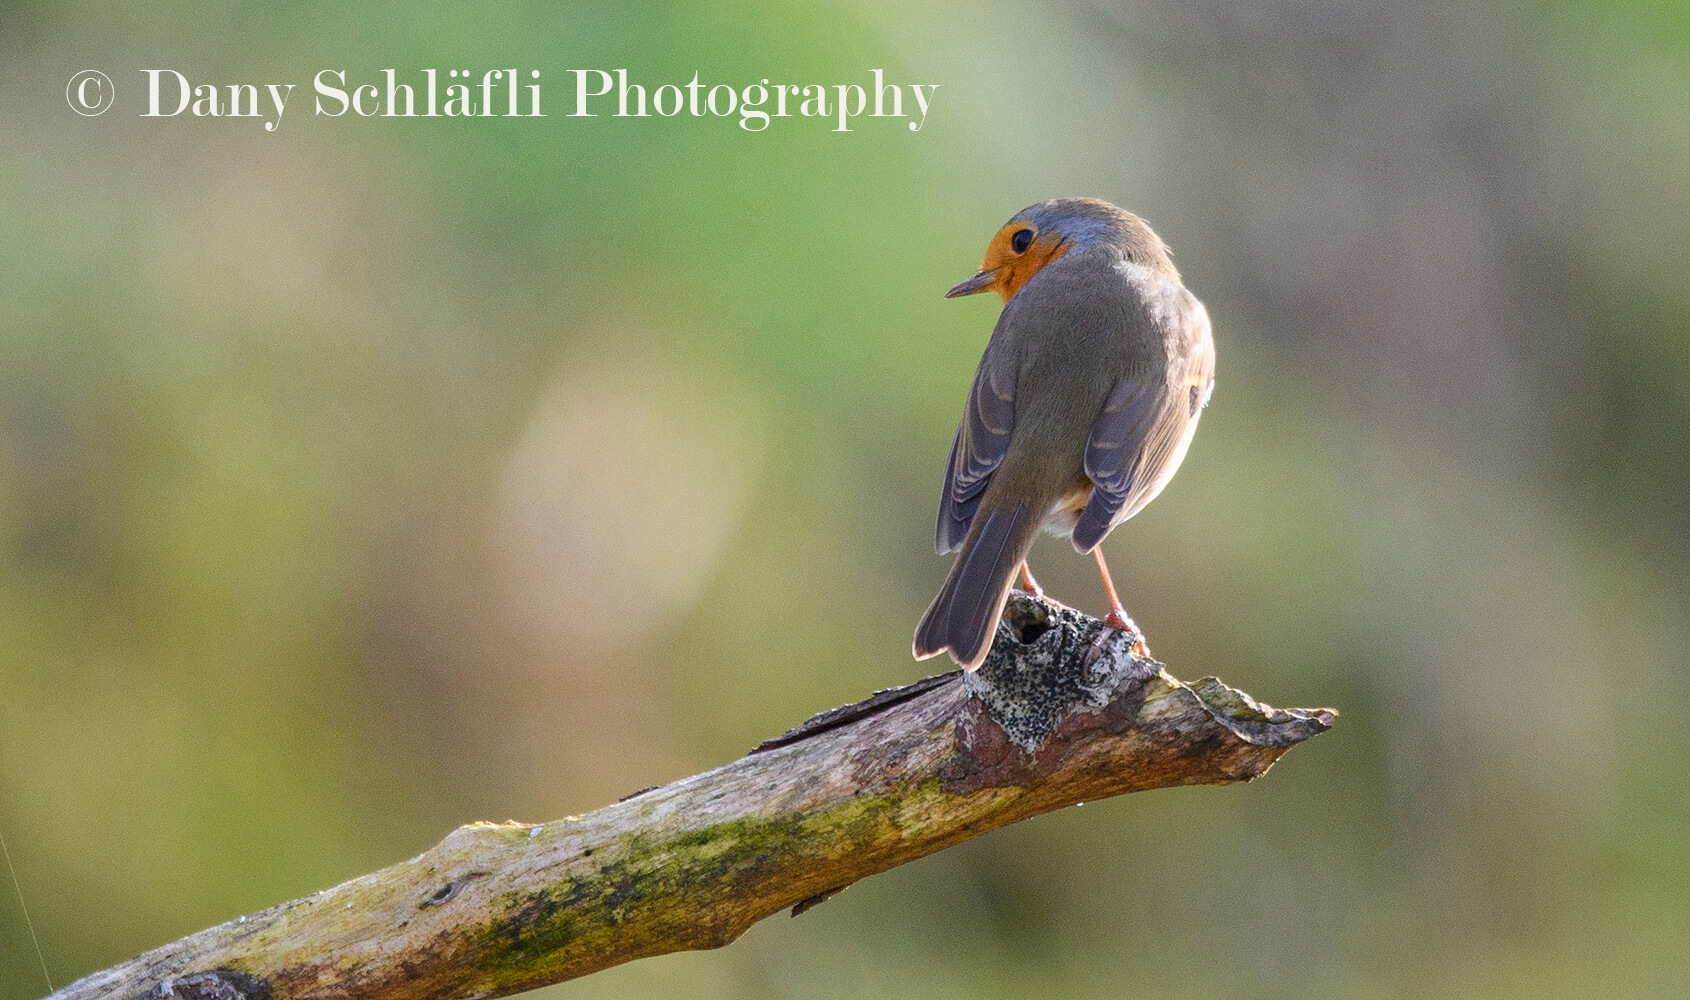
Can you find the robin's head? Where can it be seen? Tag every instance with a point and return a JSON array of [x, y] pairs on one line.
[[1041, 233]]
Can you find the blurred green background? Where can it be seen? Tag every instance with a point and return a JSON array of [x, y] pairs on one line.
[[370, 477]]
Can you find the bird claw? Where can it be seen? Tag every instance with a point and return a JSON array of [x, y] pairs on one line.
[[1040, 595], [1118, 621]]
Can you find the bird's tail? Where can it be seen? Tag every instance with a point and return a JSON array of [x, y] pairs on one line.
[[964, 617]]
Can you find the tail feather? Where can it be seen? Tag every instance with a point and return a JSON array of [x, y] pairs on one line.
[[963, 618]]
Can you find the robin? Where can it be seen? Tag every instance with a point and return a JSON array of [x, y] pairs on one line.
[[1083, 406]]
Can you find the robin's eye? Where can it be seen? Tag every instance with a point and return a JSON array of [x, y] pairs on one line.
[[1022, 239]]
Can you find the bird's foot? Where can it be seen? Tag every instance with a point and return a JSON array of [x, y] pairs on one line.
[[1118, 621], [1040, 595], [1031, 586]]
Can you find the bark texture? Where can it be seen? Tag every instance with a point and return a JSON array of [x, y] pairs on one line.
[[1059, 713]]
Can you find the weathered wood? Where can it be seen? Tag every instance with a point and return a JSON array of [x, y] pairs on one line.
[[1060, 713]]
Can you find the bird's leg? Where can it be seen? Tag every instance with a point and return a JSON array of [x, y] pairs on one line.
[[1032, 585], [1117, 618], [1037, 591]]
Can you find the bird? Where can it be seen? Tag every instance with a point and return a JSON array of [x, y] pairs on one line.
[[1083, 406]]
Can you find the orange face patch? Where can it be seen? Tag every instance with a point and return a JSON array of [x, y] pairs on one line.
[[1016, 269]]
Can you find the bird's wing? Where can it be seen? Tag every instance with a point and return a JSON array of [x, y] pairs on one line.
[[1140, 437], [981, 441]]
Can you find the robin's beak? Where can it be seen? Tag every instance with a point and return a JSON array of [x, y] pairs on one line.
[[979, 283]]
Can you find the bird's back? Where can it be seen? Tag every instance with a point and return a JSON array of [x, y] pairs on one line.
[[1079, 326]]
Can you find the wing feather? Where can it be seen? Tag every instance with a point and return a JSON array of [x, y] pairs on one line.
[[982, 440], [1139, 438]]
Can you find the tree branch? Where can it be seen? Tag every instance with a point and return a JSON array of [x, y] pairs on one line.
[[1060, 713]]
